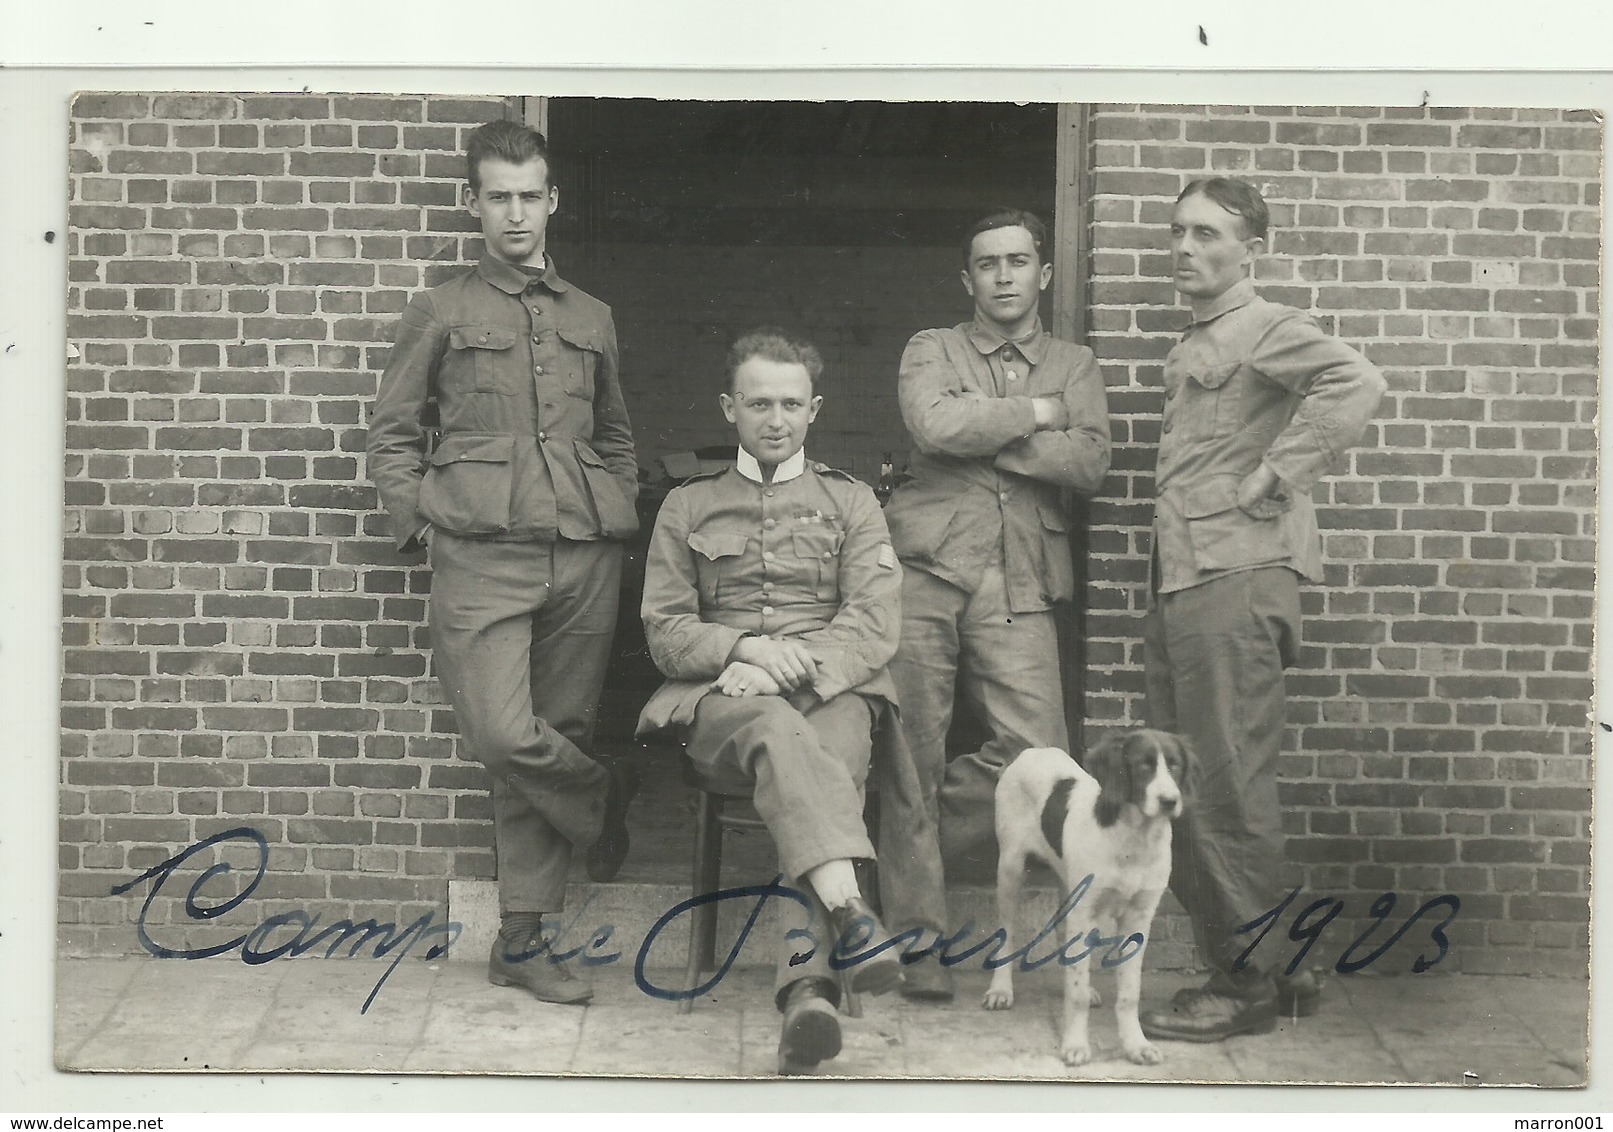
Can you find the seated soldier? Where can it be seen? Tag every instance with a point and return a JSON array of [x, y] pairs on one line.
[[771, 602]]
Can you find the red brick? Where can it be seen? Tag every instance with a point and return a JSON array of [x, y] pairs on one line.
[[464, 110], [285, 219], [292, 106], [1407, 134], [330, 164], [1499, 137], [379, 109], [223, 219], [113, 106], [1448, 189], [194, 106]]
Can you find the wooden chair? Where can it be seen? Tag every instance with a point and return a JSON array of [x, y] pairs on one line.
[[719, 798]]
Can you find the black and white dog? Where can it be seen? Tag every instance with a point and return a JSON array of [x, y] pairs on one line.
[[1112, 820]]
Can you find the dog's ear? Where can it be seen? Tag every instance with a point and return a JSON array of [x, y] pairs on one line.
[[1107, 762], [1179, 760]]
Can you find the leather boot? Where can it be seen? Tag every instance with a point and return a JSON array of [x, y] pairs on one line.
[[1237, 1004], [927, 980], [532, 967], [811, 1030], [1298, 995], [856, 924]]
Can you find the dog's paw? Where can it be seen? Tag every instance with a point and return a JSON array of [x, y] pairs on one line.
[[1075, 1053], [1145, 1054], [1093, 997], [998, 998]]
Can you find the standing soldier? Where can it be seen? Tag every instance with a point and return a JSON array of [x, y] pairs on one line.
[[1005, 420], [523, 504], [1259, 405]]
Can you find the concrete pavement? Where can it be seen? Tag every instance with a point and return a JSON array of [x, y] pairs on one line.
[[443, 1017]]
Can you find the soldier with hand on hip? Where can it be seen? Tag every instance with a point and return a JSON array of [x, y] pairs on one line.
[[1259, 405]]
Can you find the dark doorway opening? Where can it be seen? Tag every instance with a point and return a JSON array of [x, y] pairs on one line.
[[842, 221], [699, 220]]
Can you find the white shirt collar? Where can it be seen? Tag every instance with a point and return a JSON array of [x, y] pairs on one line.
[[747, 466]]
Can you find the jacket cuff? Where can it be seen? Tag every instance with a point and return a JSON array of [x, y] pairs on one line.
[[708, 656], [413, 540]]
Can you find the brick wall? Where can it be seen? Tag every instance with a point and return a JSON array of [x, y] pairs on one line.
[[236, 648], [1440, 737]]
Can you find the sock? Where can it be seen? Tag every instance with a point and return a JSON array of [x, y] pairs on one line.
[[519, 927], [835, 882]]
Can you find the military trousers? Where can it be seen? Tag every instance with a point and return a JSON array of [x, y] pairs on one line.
[[521, 635], [1213, 661], [1006, 665], [807, 761]]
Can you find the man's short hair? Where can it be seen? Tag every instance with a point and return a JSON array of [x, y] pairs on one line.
[[504, 141], [1009, 218], [1240, 198], [775, 345]]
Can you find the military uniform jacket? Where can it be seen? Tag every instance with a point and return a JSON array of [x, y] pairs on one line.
[[807, 558], [987, 487], [1250, 382], [535, 437]]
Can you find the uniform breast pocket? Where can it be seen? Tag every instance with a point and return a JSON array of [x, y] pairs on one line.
[[717, 557], [817, 552], [487, 355], [579, 366], [1212, 400]]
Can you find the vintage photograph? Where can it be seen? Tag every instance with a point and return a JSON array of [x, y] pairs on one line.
[[942, 590]]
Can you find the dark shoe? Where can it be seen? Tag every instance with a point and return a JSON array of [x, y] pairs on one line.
[[811, 1030], [537, 971], [605, 855], [927, 981], [1298, 995], [856, 929], [1200, 1014]]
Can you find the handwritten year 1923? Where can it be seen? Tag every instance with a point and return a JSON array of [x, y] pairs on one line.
[[1312, 921]]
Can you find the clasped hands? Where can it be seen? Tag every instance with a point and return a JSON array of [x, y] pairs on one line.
[[761, 666]]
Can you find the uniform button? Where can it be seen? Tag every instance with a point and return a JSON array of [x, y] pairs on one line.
[[534, 338], [542, 436], [1008, 353], [828, 554], [1169, 393], [768, 493], [1167, 427], [537, 369], [769, 524], [767, 556], [767, 611], [1003, 495], [1013, 375], [767, 587]]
